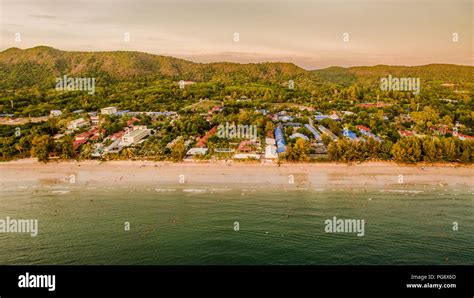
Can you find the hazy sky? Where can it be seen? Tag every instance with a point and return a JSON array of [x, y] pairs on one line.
[[307, 33]]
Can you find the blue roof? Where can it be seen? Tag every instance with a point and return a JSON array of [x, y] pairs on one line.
[[280, 140], [351, 135], [313, 130], [321, 117]]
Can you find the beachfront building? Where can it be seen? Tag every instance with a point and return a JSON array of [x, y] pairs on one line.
[[246, 146], [77, 143], [77, 123], [135, 136], [109, 111], [280, 140], [270, 141], [271, 152], [196, 151]]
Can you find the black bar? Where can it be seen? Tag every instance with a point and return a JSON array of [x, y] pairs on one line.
[[221, 281]]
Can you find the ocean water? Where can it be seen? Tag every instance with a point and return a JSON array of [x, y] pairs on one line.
[[187, 225]]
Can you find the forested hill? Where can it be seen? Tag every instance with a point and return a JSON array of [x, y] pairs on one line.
[[39, 66], [442, 73]]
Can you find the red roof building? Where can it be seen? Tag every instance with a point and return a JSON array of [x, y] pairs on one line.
[[202, 142], [132, 120], [245, 146], [374, 105], [76, 144], [405, 133], [364, 128]]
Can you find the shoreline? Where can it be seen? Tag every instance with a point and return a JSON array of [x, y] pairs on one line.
[[367, 174]]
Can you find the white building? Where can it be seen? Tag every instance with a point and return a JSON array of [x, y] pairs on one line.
[[271, 152], [76, 124], [108, 111], [139, 127], [55, 113], [95, 120], [196, 151], [270, 141], [135, 136]]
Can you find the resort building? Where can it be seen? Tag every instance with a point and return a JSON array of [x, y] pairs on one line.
[[280, 140], [78, 123], [135, 136], [108, 111], [271, 152], [95, 120], [77, 144], [313, 130]]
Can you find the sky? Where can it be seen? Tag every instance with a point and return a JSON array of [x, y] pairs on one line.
[[310, 33]]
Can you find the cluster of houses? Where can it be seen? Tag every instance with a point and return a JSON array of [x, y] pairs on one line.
[[130, 135], [274, 141], [439, 130]]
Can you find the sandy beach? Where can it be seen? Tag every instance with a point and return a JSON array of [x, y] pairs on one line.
[[265, 175]]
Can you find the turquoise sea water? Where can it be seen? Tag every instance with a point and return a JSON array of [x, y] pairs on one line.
[[195, 225]]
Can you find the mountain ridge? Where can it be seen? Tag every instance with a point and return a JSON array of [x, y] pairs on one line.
[[41, 64]]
